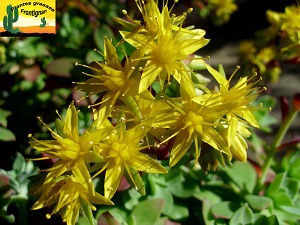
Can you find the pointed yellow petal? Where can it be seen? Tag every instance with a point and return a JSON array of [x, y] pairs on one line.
[[112, 180]]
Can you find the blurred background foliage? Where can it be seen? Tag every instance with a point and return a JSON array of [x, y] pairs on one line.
[[36, 75]]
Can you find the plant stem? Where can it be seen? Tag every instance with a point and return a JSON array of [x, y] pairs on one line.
[[276, 142], [21, 201]]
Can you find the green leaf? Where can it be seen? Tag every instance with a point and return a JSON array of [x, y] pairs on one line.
[[287, 213], [259, 219], [263, 116], [107, 219], [179, 210], [292, 165], [207, 195], [92, 56], [243, 175], [291, 210], [87, 210], [258, 202], [272, 220], [100, 34], [163, 193], [6, 135], [137, 182], [224, 209], [148, 211], [119, 213], [62, 67], [182, 186], [275, 184], [131, 199], [242, 216], [3, 115], [291, 186], [282, 199]]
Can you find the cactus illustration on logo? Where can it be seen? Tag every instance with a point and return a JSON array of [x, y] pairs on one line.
[[12, 17], [43, 20]]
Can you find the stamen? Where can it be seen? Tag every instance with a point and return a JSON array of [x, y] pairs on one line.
[[232, 75], [52, 132], [173, 135], [92, 68], [59, 115], [98, 103]]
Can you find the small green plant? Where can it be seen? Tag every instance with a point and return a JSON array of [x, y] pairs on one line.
[[12, 17], [43, 20]]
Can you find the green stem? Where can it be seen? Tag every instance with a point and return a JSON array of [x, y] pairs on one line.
[[276, 142], [21, 201]]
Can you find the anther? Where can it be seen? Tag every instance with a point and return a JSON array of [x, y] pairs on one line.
[[124, 12], [189, 10]]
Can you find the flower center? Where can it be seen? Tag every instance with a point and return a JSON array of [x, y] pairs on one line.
[[115, 81], [119, 151], [193, 122], [164, 53], [70, 150]]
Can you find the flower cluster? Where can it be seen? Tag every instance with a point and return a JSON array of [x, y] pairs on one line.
[[278, 43], [148, 100], [219, 11]]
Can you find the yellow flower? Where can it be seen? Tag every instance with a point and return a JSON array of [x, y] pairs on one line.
[[193, 122], [238, 99], [291, 19], [71, 149], [223, 8], [165, 44], [151, 24], [121, 151], [164, 56], [67, 194], [113, 80]]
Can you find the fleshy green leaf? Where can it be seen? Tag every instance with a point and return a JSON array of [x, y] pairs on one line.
[[161, 192], [137, 182], [291, 186], [179, 211], [6, 135], [282, 199], [62, 67], [263, 116], [100, 34], [107, 219], [258, 202], [182, 186], [243, 175], [87, 210], [242, 216], [148, 211], [3, 115], [275, 184], [224, 209], [131, 199]]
